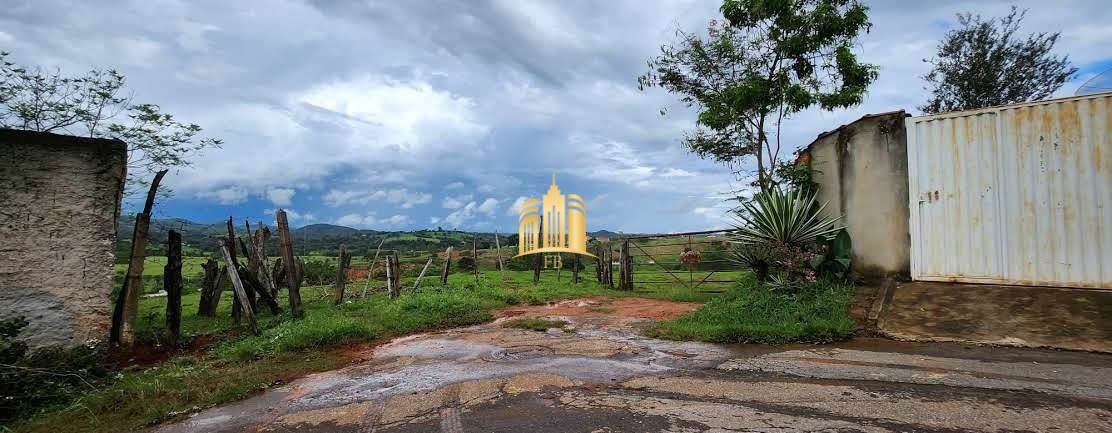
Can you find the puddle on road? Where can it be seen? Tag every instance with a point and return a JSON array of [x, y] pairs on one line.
[[602, 350]]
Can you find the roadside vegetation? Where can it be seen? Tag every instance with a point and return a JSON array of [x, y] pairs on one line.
[[231, 365], [751, 313]]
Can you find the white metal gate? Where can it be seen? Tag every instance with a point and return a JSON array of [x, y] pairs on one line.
[[1019, 194]]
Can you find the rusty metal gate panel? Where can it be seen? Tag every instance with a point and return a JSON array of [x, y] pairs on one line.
[[1018, 194]]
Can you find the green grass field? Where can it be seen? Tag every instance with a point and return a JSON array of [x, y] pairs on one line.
[[235, 363], [238, 363], [748, 313]]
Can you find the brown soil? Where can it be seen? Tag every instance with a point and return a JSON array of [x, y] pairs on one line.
[[635, 308]]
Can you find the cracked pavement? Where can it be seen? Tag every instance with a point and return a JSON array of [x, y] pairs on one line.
[[604, 376]]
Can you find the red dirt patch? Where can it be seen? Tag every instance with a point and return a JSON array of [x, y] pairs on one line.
[[636, 308]]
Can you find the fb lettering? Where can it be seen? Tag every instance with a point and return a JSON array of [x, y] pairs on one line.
[[554, 261]]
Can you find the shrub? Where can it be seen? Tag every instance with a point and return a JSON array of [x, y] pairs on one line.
[[32, 380], [782, 236]]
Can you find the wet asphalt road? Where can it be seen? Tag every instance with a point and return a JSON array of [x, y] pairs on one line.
[[605, 377]]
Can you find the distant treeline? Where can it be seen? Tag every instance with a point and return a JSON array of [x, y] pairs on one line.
[[316, 239]]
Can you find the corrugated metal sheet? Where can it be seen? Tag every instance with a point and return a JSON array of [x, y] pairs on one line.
[[1018, 194]]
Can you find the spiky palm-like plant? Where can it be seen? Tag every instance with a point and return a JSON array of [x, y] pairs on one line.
[[791, 218]]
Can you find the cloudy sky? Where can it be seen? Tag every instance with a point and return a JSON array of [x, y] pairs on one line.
[[414, 114]]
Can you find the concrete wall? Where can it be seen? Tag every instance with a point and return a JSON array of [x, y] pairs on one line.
[[59, 200], [861, 169]]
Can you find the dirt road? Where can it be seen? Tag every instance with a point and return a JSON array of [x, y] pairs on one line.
[[603, 376]]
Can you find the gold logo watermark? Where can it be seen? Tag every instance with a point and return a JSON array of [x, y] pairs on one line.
[[556, 223]]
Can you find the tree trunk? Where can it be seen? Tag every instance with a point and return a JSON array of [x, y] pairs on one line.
[[171, 282], [293, 268], [127, 302], [237, 284]]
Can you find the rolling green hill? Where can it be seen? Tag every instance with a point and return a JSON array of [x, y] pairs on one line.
[[199, 239]]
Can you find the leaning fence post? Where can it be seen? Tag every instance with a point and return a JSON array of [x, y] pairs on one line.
[[371, 268], [498, 253], [171, 282], [422, 275], [237, 285]]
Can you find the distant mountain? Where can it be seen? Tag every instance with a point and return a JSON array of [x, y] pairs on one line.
[[323, 239], [330, 230]]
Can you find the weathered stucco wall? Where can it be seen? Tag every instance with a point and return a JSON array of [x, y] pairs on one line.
[[59, 199], [861, 169]]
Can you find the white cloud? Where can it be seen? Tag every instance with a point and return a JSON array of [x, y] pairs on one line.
[[454, 185], [294, 216], [456, 202], [489, 206], [229, 195], [402, 197], [515, 208], [370, 220], [462, 215], [413, 113], [280, 196]]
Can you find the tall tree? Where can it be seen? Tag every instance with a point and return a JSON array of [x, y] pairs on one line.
[[984, 63], [96, 105], [769, 60]]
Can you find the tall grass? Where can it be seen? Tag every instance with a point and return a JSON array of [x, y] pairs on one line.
[[750, 313]]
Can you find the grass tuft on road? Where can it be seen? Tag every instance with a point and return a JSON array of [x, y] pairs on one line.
[[749, 313], [534, 324]]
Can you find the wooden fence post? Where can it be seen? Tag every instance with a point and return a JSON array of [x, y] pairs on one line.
[[498, 253], [258, 243], [127, 302], [598, 261], [609, 265], [341, 274], [293, 267], [171, 282], [537, 267], [371, 268], [625, 273], [475, 256], [237, 285], [252, 293], [575, 269], [447, 267], [209, 284], [422, 275], [390, 288], [561, 267]]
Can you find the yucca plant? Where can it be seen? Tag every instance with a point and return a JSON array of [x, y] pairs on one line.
[[776, 217]]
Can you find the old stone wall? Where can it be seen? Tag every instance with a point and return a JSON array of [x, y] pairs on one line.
[[861, 170], [59, 200]]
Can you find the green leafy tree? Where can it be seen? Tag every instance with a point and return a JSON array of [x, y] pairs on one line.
[[96, 105], [984, 63], [769, 60]]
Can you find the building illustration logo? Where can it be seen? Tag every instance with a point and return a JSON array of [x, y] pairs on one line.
[[557, 223]]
